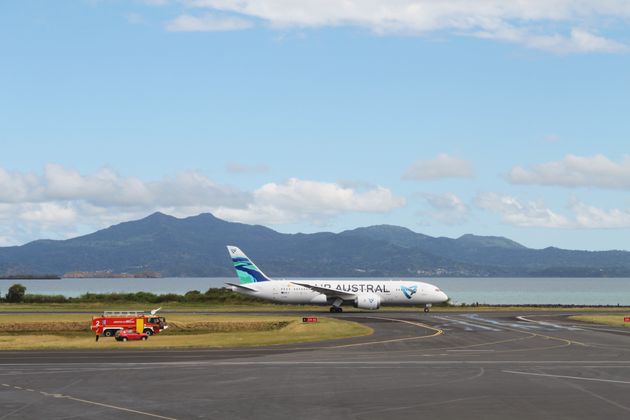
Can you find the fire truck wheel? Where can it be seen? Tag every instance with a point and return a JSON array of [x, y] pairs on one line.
[[148, 331], [108, 333]]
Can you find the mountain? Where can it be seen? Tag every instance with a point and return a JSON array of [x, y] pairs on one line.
[[195, 246]]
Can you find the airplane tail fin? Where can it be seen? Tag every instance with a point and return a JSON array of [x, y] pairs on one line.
[[245, 268]]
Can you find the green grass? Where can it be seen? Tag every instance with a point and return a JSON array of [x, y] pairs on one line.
[[189, 331], [98, 307], [615, 320]]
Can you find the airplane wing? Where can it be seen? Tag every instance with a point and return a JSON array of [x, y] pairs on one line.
[[327, 291], [242, 286]]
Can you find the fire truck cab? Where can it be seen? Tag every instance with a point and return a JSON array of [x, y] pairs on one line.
[[111, 322]]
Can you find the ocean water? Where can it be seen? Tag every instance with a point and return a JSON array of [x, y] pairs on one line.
[[566, 291]]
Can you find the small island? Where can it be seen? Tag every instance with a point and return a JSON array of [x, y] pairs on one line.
[[111, 275], [30, 277]]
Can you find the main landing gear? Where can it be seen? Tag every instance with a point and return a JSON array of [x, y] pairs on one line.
[[336, 306], [427, 307]]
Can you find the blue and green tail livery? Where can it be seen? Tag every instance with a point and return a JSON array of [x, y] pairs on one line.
[[245, 269]]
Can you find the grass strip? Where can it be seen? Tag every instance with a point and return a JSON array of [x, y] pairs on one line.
[[614, 320], [189, 331]]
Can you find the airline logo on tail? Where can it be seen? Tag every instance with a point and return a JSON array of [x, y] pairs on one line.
[[409, 291], [245, 269]]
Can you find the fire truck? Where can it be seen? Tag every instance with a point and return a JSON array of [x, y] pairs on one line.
[[112, 321]]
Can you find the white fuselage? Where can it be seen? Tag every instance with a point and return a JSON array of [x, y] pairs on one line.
[[393, 292]]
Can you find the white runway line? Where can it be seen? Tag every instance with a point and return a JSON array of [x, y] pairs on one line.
[[566, 377], [469, 324], [68, 397]]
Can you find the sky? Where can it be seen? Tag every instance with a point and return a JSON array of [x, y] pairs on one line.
[[448, 117]]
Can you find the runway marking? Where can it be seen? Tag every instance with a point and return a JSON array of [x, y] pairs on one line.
[[549, 324], [203, 352], [393, 340], [593, 328], [536, 334], [412, 362], [567, 377], [599, 397], [114, 407], [483, 327]]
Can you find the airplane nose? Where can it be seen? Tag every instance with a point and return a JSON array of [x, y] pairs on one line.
[[443, 296]]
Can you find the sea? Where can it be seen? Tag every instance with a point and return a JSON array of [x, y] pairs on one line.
[[494, 291]]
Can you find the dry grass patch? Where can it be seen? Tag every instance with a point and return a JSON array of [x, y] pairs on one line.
[[179, 327], [615, 320], [188, 331]]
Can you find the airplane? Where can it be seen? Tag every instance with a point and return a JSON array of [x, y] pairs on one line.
[[361, 294]]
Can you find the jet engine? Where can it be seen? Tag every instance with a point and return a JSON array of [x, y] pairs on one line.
[[367, 301]]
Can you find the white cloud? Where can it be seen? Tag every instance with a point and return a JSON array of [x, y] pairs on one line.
[[302, 200], [107, 188], [578, 40], [49, 213], [447, 208], [591, 217], [536, 214], [18, 186], [532, 23], [524, 214], [576, 171], [207, 23], [443, 166], [63, 202]]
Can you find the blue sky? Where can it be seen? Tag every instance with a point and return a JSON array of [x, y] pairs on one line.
[[485, 117]]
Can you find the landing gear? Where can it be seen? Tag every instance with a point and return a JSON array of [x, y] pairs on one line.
[[427, 307], [336, 306]]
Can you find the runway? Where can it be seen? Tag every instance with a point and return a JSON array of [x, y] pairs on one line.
[[439, 365]]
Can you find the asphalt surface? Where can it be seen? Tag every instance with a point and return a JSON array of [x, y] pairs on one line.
[[439, 365]]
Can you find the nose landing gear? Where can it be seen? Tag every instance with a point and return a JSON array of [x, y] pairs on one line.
[[427, 307]]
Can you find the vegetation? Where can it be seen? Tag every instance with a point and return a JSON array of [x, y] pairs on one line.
[[71, 331], [31, 277], [615, 320], [15, 293], [195, 247]]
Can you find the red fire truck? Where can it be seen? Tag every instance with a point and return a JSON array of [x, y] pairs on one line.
[[113, 321]]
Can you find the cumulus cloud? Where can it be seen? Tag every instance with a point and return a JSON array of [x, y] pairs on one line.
[[532, 23], [577, 41], [447, 208], [443, 166], [524, 214], [576, 171], [62, 202], [536, 214], [303, 200], [592, 217], [207, 23]]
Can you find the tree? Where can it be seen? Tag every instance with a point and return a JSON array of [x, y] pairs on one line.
[[16, 293]]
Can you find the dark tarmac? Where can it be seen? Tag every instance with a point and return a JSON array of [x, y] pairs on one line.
[[501, 365]]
